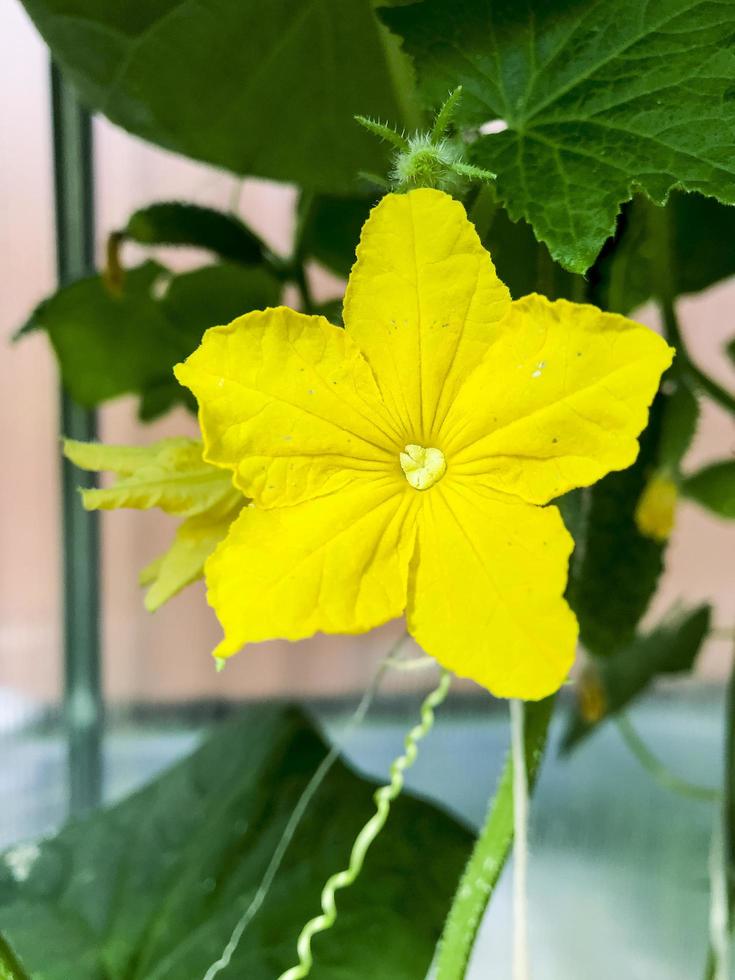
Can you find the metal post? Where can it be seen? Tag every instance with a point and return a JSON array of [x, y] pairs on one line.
[[83, 708]]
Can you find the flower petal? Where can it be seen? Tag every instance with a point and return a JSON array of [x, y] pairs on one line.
[[288, 402], [338, 564], [422, 302], [487, 594], [169, 474], [557, 403], [183, 563]]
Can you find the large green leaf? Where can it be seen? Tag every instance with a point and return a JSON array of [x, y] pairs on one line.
[[258, 88], [110, 343], [152, 888], [598, 100], [670, 648], [615, 569]]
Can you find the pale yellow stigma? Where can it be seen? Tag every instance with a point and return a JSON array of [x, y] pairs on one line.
[[423, 467]]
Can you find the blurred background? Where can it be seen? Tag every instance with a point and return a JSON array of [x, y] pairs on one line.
[[163, 660]]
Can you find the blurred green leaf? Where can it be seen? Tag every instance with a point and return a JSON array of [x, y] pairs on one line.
[[680, 416], [614, 570], [730, 350], [332, 311], [214, 295], [263, 89], [329, 229], [153, 887], [177, 223], [109, 343], [670, 648], [702, 232], [713, 487], [594, 103]]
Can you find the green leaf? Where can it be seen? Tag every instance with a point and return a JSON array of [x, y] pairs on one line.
[[702, 232], [730, 350], [214, 295], [109, 344], [599, 100], [680, 416], [713, 487], [329, 229], [670, 648], [153, 887], [614, 570], [177, 223], [264, 89]]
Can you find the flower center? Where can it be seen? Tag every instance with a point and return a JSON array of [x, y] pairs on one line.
[[423, 467]]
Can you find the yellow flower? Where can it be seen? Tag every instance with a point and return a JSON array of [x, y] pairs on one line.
[[403, 464], [656, 508], [172, 476]]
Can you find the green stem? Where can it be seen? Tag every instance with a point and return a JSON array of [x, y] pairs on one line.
[[711, 966], [719, 911], [727, 829], [657, 769], [521, 962], [10, 968], [665, 293], [728, 787], [490, 852]]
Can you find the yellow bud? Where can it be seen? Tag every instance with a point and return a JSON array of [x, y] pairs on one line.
[[591, 695], [656, 508]]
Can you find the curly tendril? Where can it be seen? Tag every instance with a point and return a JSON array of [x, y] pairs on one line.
[[384, 797]]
